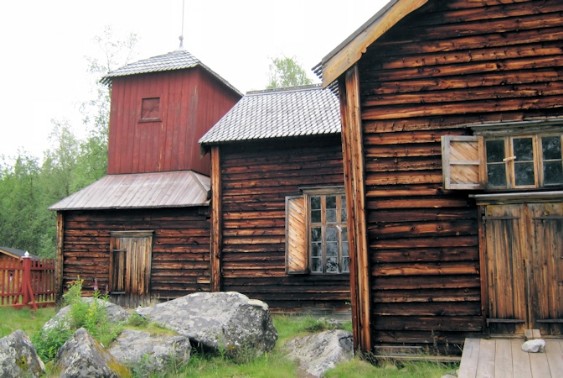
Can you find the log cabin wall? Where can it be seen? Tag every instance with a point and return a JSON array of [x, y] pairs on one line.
[[449, 64], [180, 247], [256, 178], [191, 101]]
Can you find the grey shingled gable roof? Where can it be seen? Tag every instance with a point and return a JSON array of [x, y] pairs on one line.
[[278, 113], [174, 60]]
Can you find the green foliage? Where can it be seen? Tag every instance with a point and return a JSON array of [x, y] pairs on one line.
[[29, 186], [48, 342], [27, 320], [286, 72]]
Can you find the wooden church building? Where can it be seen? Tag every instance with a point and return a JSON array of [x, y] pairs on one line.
[[452, 133], [278, 207], [142, 231]]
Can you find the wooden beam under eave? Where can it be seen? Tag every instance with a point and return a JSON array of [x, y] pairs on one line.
[[351, 52], [216, 219], [353, 160], [59, 259]]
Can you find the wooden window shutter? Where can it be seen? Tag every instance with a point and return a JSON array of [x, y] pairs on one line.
[[297, 261], [461, 162]]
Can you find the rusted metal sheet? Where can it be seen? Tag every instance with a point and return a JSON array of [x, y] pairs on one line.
[[141, 190]]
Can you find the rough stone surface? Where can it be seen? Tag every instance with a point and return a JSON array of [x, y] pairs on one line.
[[320, 352], [114, 313], [18, 357], [82, 356], [534, 346], [150, 353], [226, 321]]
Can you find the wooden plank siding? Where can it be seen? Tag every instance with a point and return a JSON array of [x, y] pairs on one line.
[[180, 247], [191, 101], [256, 179], [445, 66]]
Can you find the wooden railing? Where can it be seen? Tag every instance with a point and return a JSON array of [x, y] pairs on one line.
[[27, 282]]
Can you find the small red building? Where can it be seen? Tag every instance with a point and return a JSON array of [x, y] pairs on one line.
[[142, 231]]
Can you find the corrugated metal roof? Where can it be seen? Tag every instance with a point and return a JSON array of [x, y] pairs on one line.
[[278, 113], [174, 60], [141, 190]]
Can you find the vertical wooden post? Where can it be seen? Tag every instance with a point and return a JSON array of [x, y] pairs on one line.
[[26, 291], [353, 160], [216, 220], [59, 257]]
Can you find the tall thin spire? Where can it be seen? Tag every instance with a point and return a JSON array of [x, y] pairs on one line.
[[182, 34]]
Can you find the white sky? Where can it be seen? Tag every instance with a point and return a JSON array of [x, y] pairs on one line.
[[44, 45]]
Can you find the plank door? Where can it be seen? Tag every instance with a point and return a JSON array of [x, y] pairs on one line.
[[524, 267], [130, 268], [547, 267], [505, 233]]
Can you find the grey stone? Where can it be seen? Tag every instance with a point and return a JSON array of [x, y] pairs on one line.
[[320, 352], [534, 346], [223, 321], [150, 353], [82, 356], [115, 314], [18, 357]]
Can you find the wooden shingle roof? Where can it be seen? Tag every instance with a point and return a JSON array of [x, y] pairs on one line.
[[278, 113], [174, 60], [141, 190]]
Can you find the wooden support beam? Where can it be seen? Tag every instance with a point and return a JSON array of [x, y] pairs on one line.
[[353, 160], [59, 257], [216, 219]]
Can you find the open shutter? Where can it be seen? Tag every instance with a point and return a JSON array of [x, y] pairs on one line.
[[297, 261], [461, 163]]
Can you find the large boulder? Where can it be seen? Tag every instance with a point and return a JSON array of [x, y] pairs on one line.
[[82, 356], [115, 314], [229, 322], [148, 353], [18, 357], [320, 352]]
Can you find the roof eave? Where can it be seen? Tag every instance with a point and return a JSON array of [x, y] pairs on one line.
[[351, 49]]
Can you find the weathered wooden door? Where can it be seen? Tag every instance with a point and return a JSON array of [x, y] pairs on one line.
[[524, 267], [130, 268]]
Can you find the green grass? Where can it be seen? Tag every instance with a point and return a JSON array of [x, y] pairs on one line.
[[273, 364], [27, 320]]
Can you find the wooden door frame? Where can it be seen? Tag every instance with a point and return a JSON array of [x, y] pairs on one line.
[[525, 199]]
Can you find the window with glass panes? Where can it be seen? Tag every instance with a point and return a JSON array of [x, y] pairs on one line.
[[528, 161], [328, 235]]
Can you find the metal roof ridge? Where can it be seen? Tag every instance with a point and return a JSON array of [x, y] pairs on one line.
[[299, 88]]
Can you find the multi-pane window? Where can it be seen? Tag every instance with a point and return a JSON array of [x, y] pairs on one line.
[[316, 232], [328, 236], [524, 161]]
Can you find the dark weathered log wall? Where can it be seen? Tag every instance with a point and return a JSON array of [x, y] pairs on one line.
[[450, 64], [255, 181], [180, 250], [191, 102]]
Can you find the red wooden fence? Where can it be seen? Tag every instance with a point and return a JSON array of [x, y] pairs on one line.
[[27, 282]]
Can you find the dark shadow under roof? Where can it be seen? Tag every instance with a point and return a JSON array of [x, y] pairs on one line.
[[139, 191], [278, 113]]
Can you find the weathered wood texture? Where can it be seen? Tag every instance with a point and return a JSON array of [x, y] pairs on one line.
[[256, 179], [445, 66], [191, 102], [180, 247]]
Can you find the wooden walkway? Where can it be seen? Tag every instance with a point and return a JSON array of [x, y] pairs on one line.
[[504, 358]]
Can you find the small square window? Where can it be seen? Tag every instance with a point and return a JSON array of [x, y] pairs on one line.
[[150, 109]]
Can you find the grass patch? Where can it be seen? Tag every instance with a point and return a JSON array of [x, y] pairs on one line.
[[27, 320], [273, 364]]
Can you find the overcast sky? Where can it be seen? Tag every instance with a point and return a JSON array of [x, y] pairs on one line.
[[45, 44]]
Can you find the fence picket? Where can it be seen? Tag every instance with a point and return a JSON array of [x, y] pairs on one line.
[[42, 283]]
